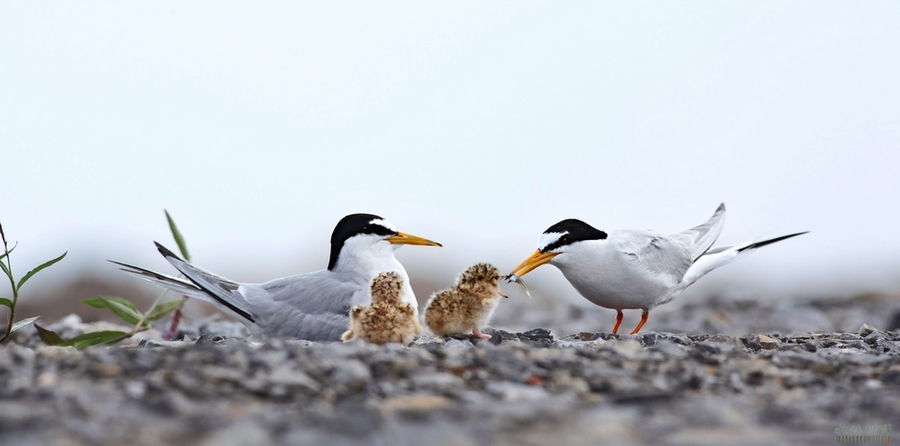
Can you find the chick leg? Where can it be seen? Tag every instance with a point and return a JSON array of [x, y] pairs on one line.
[[644, 315], [478, 334], [619, 316]]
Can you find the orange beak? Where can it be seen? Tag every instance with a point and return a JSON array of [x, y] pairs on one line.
[[409, 239], [537, 259]]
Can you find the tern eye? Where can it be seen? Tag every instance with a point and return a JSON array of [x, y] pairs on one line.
[[377, 230]]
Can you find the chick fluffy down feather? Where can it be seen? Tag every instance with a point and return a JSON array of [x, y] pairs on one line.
[[467, 305], [388, 319]]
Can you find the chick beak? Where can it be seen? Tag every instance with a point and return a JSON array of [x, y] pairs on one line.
[[537, 259], [408, 239]]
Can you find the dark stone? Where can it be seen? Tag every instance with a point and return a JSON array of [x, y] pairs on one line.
[[754, 378], [874, 338], [537, 334], [706, 349], [607, 336], [206, 339], [648, 339], [498, 336]]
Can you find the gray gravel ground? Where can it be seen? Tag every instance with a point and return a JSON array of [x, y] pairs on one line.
[[530, 387]]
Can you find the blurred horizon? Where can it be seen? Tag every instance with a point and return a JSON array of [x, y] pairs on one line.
[[258, 126]]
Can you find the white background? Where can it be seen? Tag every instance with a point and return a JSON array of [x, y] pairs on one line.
[[476, 124]]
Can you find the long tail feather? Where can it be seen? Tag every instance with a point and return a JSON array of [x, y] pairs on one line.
[[755, 245], [717, 257], [180, 286]]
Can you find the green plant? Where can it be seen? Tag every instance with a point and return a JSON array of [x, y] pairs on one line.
[[182, 246], [126, 311], [6, 266], [122, 308]]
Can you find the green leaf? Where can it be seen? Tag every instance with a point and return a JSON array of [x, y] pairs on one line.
[[160, 310], [100, 302], [40, 267], [179, 240], [6, 271], [119, 306], [123, 308], [22, 323], [6, 302], [50, 337], [3, 256], [96, 302], [98, 337]]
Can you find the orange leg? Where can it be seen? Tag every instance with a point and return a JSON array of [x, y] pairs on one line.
[[478, 334], [619, 316], [644, 315]]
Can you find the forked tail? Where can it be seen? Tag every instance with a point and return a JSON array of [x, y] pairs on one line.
[[717, 257]]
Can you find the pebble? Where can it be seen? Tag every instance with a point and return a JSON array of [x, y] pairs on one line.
[[662, 387], [866, 329], [766, 342]]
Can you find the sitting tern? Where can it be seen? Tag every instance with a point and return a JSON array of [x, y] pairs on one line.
[[313, 306], [633, 269]]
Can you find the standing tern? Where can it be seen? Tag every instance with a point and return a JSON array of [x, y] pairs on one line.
[[633, 269], [313, 306]]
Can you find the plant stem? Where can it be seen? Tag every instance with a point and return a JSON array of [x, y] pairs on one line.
[[12, 316], [173, 324], [12, 284]]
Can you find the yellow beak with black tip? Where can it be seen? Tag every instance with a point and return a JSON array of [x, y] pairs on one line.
[[537, 259], [408, 239]]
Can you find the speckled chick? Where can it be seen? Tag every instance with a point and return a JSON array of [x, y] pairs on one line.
[[389, 319], [467, 307]]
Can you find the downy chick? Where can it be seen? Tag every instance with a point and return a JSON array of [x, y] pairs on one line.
[[466, 307], [389, 319]]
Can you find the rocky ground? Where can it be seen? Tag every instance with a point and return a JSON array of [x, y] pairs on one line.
[[529, 387]]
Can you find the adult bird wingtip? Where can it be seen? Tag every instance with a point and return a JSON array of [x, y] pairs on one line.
[[165, 251]]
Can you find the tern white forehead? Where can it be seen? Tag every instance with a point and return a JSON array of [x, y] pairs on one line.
[[549, 238], [386, 224]]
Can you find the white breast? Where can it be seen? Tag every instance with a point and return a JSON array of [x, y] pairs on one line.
[[605, 275], [367, 260]]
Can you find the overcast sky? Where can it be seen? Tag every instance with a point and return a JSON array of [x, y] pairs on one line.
[[258, 125]]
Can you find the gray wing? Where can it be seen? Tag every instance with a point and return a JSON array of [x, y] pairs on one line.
[[699, 238], [312, 306], [666, 257], [220, 289]]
